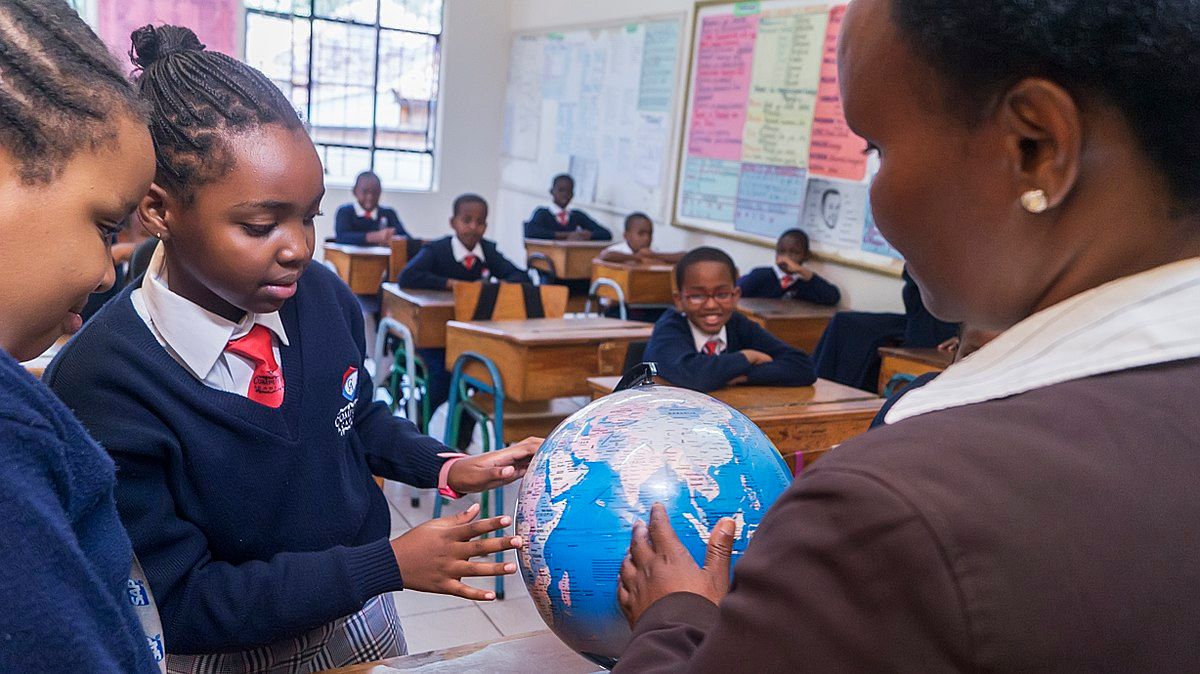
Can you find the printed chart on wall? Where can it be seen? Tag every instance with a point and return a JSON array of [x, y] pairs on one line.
[[597, 103], [766, 147]]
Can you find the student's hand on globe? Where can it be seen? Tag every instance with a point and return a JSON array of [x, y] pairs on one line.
[[436, 556], [493, 469], [659, 565], [756, 357]]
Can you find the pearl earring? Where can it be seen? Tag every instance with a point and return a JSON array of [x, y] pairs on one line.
[[1035, 201]]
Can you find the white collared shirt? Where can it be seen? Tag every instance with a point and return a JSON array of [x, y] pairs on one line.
[[378, 212], [195, 337], [701, 338], [1140, 320], [460, 251], [621, 247]]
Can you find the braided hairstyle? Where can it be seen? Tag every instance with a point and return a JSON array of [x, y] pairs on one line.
[[197, 100], [60, 89]]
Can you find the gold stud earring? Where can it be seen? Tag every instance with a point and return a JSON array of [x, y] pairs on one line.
[[1035, 201]]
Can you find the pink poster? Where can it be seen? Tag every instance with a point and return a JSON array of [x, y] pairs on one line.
[[724, 67], [214, 21], [835, 151]]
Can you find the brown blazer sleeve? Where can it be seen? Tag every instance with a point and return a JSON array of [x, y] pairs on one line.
[[844, 575]]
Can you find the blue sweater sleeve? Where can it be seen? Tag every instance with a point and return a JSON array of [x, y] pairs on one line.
[[394, 447], [672, 348], [505, 270], [344, 228], [789, 367], [599, 231], [59, 616], [818, 291], [393, 221], [751, 284], [421, 274], [540, 225]]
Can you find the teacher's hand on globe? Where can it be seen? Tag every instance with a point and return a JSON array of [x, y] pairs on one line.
[[493, 469], [436, 556], [659, 565]]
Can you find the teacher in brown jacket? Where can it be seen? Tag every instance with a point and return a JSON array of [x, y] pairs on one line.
[[1037, 507]]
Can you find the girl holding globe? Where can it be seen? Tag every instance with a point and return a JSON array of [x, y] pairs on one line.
[[1033, 508]]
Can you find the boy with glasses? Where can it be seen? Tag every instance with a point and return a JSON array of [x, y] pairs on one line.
[[707, 345]]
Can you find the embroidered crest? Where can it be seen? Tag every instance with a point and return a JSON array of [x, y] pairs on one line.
[[350, 383]]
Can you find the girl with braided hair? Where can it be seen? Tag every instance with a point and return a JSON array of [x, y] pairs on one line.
[[75, 158], [229, 388]]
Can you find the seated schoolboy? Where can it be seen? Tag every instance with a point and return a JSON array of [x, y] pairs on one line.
[[229, 387], [636, 248], [707, 344], [465, 257], [365, 222], [789, 278], [564, 222]]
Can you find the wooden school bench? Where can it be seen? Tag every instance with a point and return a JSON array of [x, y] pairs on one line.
[[799, 324], [424, 312], [547, 358], [803, 422], [642, 284], [363, 268], [531, 653], [914, 362]]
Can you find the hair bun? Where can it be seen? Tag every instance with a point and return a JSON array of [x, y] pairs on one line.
[[152, 44]]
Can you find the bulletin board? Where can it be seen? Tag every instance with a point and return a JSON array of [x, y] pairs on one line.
[[599, 103], [765, 147]]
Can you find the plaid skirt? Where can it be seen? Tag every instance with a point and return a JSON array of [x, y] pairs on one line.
[[371, 634]]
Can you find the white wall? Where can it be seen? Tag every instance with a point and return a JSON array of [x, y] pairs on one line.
[[475, 50], [861, 290]]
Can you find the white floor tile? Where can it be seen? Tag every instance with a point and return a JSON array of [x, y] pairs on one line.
[[514, 615], [446, 629], [412, 602]]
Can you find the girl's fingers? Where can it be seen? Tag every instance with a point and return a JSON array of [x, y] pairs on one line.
[[466, 516], [460, 589], [489, 546], [478, 528], [481, 569]]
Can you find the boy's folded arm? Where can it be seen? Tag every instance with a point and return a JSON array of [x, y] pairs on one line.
[[789, 367], [819, 291], [680, 364], [419, 274], [343, 232], [540, 225]]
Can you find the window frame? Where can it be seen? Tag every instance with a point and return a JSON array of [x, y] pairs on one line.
[[434, 132]]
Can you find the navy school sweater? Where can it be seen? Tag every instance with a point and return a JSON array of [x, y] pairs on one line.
[[253, 524], [543, 225], [64, 557], [435, 264], [353, 230], [762, 282], [672, 347]]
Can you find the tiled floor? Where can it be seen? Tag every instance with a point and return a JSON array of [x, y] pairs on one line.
[[433, 621]]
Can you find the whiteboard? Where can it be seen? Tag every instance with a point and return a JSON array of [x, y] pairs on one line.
[[598, 103], [765, 147]]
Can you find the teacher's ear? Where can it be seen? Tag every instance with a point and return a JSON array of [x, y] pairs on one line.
[[1044, 141]]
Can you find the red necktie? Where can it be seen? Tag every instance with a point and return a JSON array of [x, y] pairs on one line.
[[710, 347], [786, 282], [370, 215], [266, 385], [469, 262], [564, 218]]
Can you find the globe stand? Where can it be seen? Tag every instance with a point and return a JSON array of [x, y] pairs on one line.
[[639, 375]]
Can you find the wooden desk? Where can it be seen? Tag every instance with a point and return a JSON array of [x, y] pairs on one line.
[[363, 268], [916, 362], [802, 421], [424, 312], [546, 358], [572, 259], [403, 251], [532, 653], [641, 283], [799, 324]]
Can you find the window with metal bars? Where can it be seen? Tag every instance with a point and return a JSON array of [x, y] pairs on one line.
[[363, 73]]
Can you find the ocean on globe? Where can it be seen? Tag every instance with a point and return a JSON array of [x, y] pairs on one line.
[[603, 468]]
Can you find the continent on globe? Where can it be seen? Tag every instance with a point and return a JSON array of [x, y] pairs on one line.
[[600, 472]]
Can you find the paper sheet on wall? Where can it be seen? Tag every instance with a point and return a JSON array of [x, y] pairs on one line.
[[523, 103]]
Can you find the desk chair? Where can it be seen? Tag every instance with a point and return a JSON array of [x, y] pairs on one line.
[[403, 251], [541, 269], [594, 294], [462, 402]]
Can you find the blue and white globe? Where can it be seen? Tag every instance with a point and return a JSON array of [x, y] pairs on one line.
[[603, 468]]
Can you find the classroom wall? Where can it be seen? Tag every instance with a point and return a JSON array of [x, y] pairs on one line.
[[861, 290], [475, 50]]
